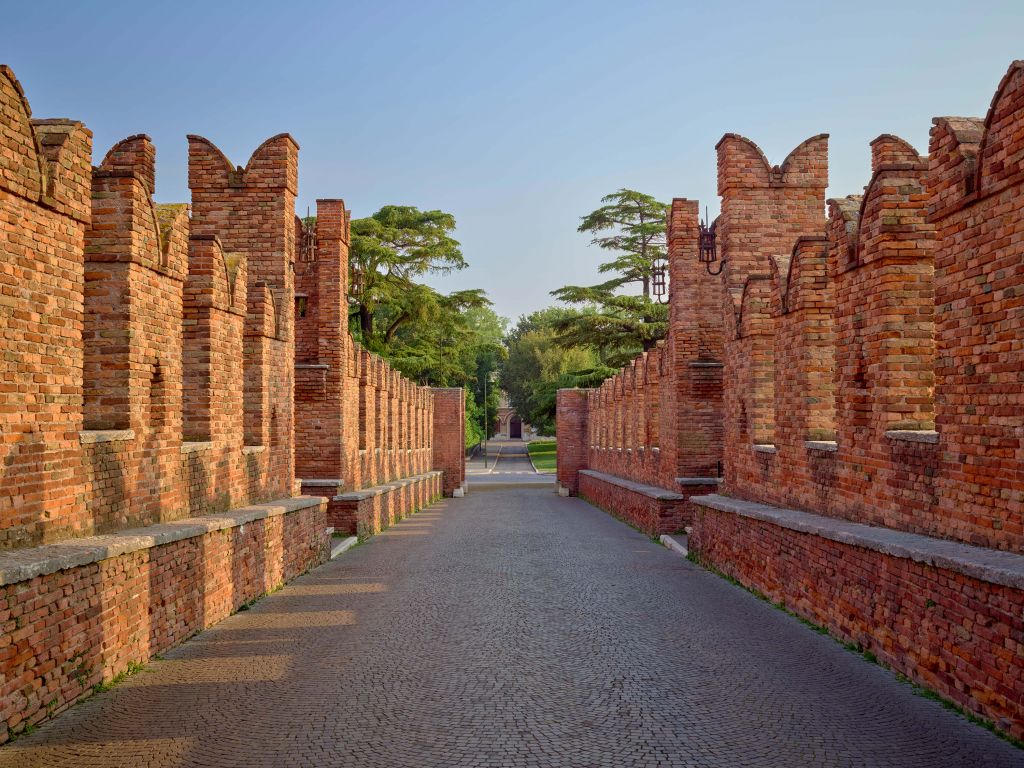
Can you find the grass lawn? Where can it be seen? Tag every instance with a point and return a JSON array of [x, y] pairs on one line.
[[542, 454]]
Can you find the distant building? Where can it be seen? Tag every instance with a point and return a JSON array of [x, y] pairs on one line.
[[510, 425]]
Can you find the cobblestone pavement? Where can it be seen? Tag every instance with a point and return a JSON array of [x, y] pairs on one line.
[[510, 628]]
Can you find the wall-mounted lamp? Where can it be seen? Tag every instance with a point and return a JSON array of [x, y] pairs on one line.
[[707, 250], [659, 284]]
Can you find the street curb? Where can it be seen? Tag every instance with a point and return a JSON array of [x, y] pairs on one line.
[[679, 547], [344, 546]]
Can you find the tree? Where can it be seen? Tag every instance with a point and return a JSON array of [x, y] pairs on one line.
[[537, 366], [637, 236], [433, 338], [388, 252], [620, 325]]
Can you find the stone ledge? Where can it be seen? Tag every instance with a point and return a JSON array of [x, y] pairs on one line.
[[378, 490], [323, 483], [24, 564], [248, 450], [312, 367], [91, 436], [821, 445], [764, 448], [699, 480], [991, 565], [913, 435], [651, 491], [195, 446]]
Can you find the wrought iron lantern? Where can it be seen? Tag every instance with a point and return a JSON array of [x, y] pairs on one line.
[[707, 249], [356, 287], [659, 285], [308, 246]]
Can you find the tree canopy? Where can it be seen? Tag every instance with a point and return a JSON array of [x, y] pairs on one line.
[[445, 340], [605, 325], [389, 252], [617, 323]]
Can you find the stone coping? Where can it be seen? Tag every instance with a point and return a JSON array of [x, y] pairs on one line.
[[195, 446], [821, 445], [90, 436], [651, 491], [914, 435], [990, 565], [699, 480], [23, 564], [248, 450], [379, 490], [764, 448], [323, 483]]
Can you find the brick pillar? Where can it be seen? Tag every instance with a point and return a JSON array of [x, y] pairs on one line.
[[41, 239], [884, 321], [571, 431], [214, 311], [450, 437], [764, 210], [804, 345], [136, 263], [252, 211], [691, 397]]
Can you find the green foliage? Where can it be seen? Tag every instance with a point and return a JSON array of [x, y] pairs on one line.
[[632, 226], [444, 340], [538, 365], [543, 454], [618, 324], [389, 252]]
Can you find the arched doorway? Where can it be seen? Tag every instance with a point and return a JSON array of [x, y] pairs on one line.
[[515, 428]]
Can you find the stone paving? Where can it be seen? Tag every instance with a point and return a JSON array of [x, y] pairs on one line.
[[510, 628], [508, 465]]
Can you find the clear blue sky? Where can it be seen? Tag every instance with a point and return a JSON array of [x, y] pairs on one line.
[[516, 117]]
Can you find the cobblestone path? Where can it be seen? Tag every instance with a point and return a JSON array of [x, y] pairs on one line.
[[510, 628]]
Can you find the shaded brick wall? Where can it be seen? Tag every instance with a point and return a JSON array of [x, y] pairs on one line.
[[872, 373], [947, 631], [449, 438], [976, 202]]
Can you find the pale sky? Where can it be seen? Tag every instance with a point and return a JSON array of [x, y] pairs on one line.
[[516, 117]]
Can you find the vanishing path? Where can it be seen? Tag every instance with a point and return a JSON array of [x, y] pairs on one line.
[[508, 465], [510, 628]]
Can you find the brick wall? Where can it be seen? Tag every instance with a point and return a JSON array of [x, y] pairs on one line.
[[147, 376], [576, 433], [871, 375], [252, 211], [976, 191], [359, 423], [45, 179], [948, 631], [449, 436]]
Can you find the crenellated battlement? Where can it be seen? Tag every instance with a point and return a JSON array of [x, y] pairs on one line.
[[870, 374], [148, 385]]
